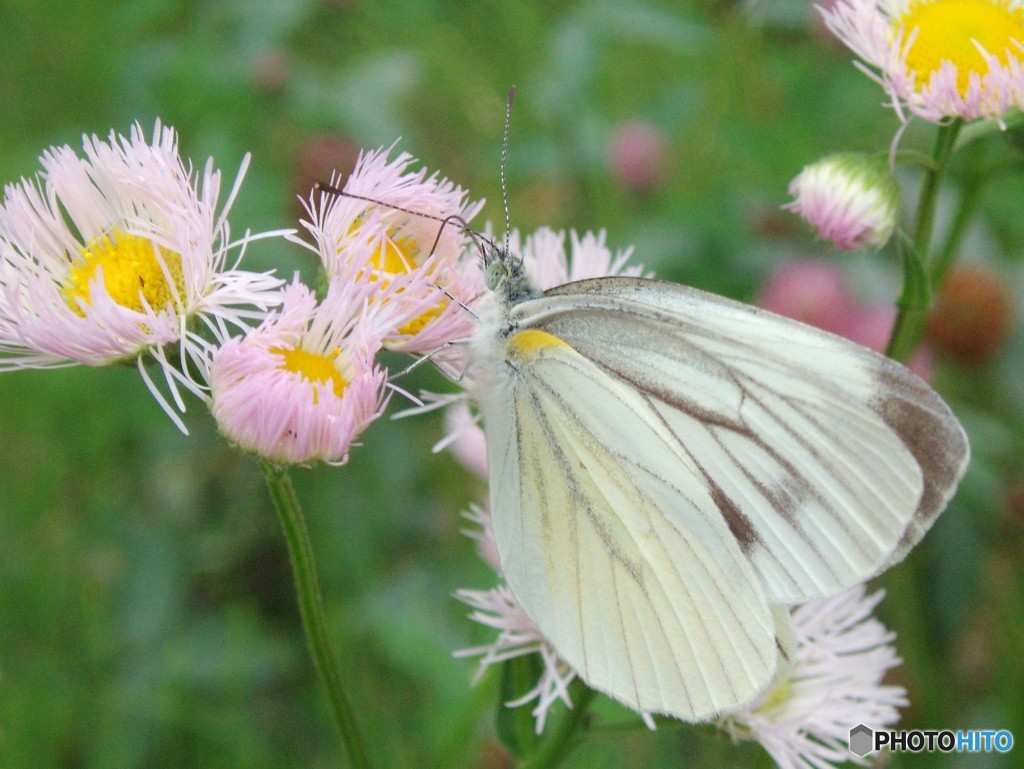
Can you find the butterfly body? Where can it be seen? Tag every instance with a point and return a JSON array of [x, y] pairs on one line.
[[668, 468]]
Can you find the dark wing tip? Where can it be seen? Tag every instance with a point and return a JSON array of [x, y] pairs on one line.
[[935, 438]]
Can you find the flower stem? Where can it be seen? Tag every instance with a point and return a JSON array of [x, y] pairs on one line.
[[915, 300], [564, 739], [945, 141], [970, 198], [311, 608]]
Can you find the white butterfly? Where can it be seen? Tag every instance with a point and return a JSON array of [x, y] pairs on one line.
[[669, 467]]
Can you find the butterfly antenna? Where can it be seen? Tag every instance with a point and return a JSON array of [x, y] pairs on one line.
[[457, 219], [330, 189], [504, 159]]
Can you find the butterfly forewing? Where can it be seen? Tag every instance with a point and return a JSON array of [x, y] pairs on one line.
[[614, 545], [826, 461]]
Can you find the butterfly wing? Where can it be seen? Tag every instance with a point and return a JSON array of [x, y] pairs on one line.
[[827, 461], [613, 543]]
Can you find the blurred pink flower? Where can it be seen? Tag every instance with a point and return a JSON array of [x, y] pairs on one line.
[[465, 438], [816, 292], [811, 291], [872, 327], [638, 156]]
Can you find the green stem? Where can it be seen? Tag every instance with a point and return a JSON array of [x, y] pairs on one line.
[[916, 297], [945, 141], [311, 608], [565, 737], [970, 197]]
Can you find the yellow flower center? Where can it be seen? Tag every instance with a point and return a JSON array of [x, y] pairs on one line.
[[777, 697], [952, 30], [314, 367], [416, 325], [398, 255], [133, 274]]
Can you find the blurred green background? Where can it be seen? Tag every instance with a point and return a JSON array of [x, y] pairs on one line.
[[147, 617]]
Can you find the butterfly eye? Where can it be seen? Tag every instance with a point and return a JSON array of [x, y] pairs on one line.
[[493, 274], [496, 267]]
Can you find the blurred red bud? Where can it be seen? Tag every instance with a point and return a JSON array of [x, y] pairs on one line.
[[319, 158], [1015, 500], [972, 316], [270, 72]]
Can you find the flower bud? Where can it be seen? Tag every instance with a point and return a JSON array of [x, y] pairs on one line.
[[849, 199]]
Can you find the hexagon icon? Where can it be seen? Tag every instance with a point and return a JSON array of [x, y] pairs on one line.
[[861, 740]]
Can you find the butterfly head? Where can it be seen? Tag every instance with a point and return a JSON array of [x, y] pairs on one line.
[[505, 275]]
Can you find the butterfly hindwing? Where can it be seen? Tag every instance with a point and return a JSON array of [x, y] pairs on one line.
[[613, 544]]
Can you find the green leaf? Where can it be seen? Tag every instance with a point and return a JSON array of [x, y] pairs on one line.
[[913, 302], [916, 289], [1014, 138]]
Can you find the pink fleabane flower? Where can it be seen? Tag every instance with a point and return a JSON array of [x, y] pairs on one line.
[[303, 385], [464, 437], [118, 255], [938, 59], [834, 682], [639, 157], [849, 199], [550, 264], [401, 235]]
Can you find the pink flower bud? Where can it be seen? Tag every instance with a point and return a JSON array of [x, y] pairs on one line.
[[849, 199]]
